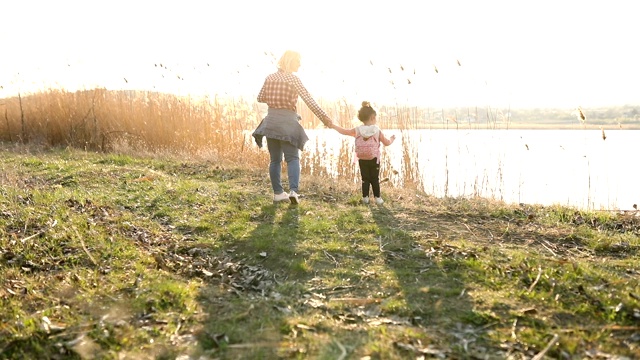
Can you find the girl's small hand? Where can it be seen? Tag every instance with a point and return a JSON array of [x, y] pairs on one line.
[[393, 137]]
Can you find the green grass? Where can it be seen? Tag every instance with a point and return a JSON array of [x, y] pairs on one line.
[[116, 256]]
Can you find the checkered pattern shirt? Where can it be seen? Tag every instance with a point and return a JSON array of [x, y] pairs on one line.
[[281, 90]]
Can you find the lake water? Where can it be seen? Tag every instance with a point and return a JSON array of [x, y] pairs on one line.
[[576, 168]]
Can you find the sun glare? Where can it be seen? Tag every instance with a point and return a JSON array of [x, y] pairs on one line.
[[458, 54]]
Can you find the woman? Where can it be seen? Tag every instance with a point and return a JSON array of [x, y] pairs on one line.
[[285, 136]]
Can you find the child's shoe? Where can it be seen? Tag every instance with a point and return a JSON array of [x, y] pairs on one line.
[[379, 201], [280, 197], [365, 200]]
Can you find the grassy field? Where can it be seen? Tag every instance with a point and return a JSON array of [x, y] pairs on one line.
[[111, 256]]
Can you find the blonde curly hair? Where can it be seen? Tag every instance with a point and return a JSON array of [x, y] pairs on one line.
[[289, 60]]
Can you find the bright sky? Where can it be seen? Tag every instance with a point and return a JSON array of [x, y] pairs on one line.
[[547, 53]]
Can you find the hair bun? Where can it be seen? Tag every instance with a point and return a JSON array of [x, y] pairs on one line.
[[366, 104]]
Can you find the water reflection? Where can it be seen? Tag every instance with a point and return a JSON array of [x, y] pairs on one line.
[[568, 167]]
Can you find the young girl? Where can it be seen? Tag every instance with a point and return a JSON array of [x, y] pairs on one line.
[[368, 138]]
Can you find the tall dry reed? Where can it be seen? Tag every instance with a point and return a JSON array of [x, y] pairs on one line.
[[212, 127]]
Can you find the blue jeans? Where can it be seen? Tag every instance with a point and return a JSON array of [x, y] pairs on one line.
[[292, 156]]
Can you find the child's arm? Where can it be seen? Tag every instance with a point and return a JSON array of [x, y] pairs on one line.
[[385, 141], [343, 131]]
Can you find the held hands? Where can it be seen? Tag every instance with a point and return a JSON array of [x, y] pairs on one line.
[[327, 122]]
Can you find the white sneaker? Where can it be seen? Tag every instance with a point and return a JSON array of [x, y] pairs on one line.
[[365, 199], [280, 197], [379, 201], [294, 198]]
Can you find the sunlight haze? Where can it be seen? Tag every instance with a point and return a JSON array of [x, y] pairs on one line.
[[491, 53]]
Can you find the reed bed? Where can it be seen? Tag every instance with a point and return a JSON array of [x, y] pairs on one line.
[[218, 130], [211, 128], [133, 121]]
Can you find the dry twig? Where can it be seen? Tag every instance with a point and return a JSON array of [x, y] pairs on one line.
[[546, 247], [342, 348], [32, 236], [84, 247], [55, 222], [471, 231], [331, 257], [537, 279], [541, 354]]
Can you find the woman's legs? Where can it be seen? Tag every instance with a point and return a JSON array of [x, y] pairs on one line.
[[292, 156], [275, 167]]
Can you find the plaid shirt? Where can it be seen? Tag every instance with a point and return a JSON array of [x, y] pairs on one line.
[[281, 90]]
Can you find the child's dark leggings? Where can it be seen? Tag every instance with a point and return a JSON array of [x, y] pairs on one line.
[[370, 171]]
